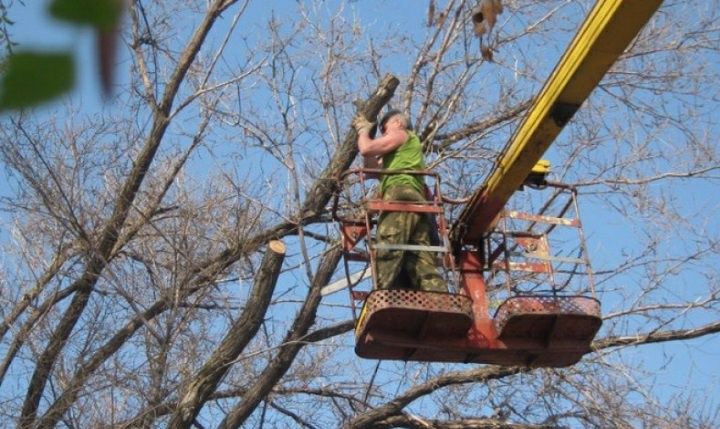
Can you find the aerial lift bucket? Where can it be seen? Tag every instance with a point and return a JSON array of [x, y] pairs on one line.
[[549, 329]]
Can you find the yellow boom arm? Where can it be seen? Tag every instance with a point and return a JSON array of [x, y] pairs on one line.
[[605, 34]]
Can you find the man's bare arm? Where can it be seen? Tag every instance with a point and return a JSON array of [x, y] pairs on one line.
[[382, 145]]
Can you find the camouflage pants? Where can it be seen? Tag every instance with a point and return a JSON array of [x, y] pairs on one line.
[[405, 269]]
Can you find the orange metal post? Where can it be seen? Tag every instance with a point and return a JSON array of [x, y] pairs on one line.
[[482, 335]]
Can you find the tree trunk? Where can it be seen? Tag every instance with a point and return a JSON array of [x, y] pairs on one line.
[[205, 381]]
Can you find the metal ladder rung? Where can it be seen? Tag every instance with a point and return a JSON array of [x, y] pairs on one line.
[[549, 258], [514, 214]]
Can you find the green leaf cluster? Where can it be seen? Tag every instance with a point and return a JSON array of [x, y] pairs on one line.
[[31, 77], [101, 14]]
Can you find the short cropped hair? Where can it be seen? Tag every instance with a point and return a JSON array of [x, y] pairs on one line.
[[393, 113]]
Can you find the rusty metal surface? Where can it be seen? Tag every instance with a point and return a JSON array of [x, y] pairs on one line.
[[534, 331], [432, 327], [528, 267], [416, 313], [553, 322], [351, 235]]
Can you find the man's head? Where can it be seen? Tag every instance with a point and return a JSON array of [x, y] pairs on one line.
[[394, 119]]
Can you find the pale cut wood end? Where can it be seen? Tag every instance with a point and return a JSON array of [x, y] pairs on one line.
[[277, 246]]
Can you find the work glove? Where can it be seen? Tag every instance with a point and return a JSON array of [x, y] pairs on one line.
[[360, 123]]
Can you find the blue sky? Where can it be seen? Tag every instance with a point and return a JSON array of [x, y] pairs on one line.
[[692, 362]]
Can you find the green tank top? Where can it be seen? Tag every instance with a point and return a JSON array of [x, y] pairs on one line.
[[409, 156]]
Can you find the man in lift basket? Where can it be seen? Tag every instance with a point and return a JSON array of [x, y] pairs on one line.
[[398, 148]]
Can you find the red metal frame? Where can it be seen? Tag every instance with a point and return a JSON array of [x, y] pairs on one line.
[[548, 330], [355, 229]]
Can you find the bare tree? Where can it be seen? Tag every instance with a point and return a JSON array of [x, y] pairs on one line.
[[163, 258]]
